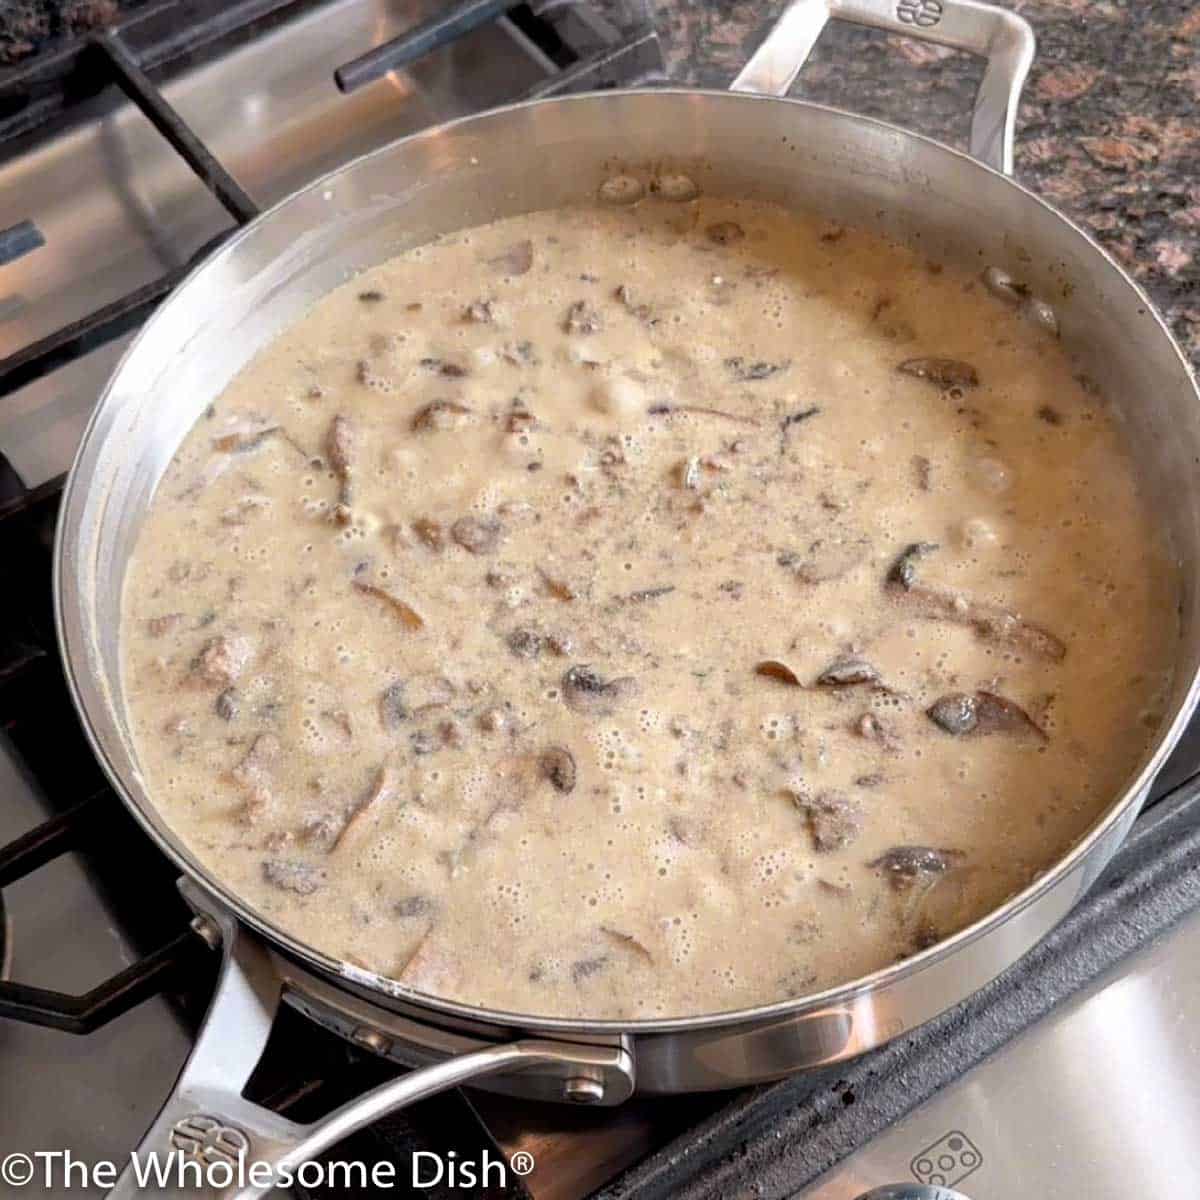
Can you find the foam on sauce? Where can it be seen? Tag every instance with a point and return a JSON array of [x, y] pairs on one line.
[[532, 623]]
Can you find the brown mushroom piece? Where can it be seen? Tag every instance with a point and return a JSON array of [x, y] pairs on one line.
[[340, 444], [586, 691], [481, 312], [414, 906], [557, 764], [700, 410], [905, 866], [752, 371], [903, 571], [834, 819], [980, 714], [478, 535], [628, 941], [874, 728], [944, 373], [772, 668], [409, 617], [448, 370], [989, 621], [651, 593], [848, 671], [293, 875], [245, 441], [525, 643], [222, 659], [585, 968], [383, 788], [429, 533], [442, 415], [393, 707], [792, 419]]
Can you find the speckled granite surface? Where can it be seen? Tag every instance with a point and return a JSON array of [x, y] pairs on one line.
[[1109, 128]]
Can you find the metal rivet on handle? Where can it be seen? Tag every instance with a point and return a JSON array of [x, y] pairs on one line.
[[207, 929], [582, 1089], [371, 1039]]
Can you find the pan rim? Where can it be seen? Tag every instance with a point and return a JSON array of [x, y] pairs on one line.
[[75, 497]]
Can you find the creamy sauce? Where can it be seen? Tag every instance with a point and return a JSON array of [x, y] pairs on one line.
[[626, 612]]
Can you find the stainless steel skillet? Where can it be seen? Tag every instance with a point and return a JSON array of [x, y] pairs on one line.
[[532, 156]]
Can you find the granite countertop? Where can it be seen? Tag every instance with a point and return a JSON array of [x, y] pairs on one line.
[[1109, 127]]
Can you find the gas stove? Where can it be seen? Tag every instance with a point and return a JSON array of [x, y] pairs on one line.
[[133, 138]]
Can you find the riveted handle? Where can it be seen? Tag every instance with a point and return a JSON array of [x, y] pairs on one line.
[[1004, 39], [247, 1150]]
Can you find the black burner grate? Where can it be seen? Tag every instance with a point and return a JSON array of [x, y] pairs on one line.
[[44, 91]]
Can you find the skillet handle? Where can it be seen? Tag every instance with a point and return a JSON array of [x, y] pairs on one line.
[[1000, 36], [209, 1133]]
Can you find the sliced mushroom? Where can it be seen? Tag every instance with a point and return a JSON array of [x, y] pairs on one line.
[[983, 713], [383, 788], [585, 968], [747, 371], [414, 906], [585, 691], [772, 668], [653, 593], [904, 866], [989, 621], [409, 617], [293, 875], [525, 643], [245, 441], [430, 532], [834, 819], [442, 415], [340, 444], [393, 707], [557, 764], [874, 729], [700, 410], [848, 671], [448, 370], [903, 572], [944, 373], [479, 535], [222, 659], [628, 941]]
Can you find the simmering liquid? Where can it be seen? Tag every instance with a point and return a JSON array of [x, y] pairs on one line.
[[645, 611]]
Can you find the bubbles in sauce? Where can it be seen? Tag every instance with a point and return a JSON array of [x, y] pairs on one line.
[[463, 688]]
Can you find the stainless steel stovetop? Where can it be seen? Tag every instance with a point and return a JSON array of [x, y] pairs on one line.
[[1098, 1098]]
